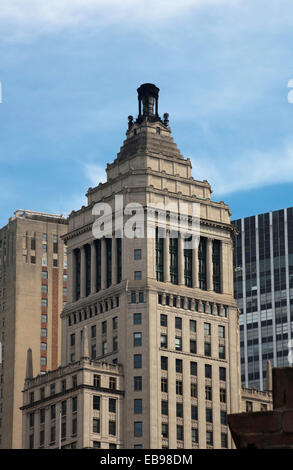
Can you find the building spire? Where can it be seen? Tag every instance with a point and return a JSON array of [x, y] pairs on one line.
[[29, 365]]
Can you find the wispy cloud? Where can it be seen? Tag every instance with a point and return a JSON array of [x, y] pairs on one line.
[[95, 173], [251, 169]]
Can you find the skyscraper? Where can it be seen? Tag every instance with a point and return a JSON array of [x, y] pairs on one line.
[[263, 287], [33, 287], [150, 334]]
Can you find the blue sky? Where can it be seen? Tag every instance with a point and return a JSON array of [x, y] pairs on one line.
[[69, 71]]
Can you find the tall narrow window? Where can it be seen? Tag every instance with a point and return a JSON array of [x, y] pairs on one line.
[[119, 259], [173, 260], [216, 266], [109, 260], [188, 266], [202, 271], [88, 269], [98, 264], [77, 273], [159, 256]]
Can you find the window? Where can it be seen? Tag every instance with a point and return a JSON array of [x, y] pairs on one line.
[[165, 431], [137, 383], [164, 341], [221, 331], [32, 419], [209, 392], [194, 435], [112, 383], [43, 361], [193, 346], [104, 348], [133, 297], [115, 323], [179, 366], [164, 407], [96, 445], [249, 407], [52, 389], [194, 412], [72, 339], [140, 297], [44, 289], [193, 390], [137, 339], [178, 323], [222, 352], [53, 412], [74, 404], [112, 428], [209, 437], [52, 434], [137, 406], [179, 410], [223, 398], [63, 430], [44, 332], [96, 402], [137, 318], [112, 405], [263, 407], [193, 368], [104, 327], [209, 415], [96, 425], [178, 344], [74, 381], [137, 275], [208, 371], [44, 318], [164, 385], [164, 362], [63, 385], [93, 331], [74, 427], [192, 326], [207, 329], [222, 373], [137, 361], [42, 437], [163, 320], [224, 440], [137, 254], [179, 432], [44, 274], [63, 407], [97, 381], [223, 417], [207, 349], [179, 387], [115, 343], [137, 428], [42, 415]]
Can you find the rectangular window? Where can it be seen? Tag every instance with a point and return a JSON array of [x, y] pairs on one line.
[[163, 320], [179, 387], [137, 318], [209, 415], [137, 383], [193, 346], [165, 430], [192, 326], [104, 327], [202, 274], [137, 361], [194, 435], [164, 385], [137, 254], [209, 438], [112, 383], [179, 366], [137, 339], [193, 390], [133, 297], [44, 332], [53, 412], [223, 417], [222, 352], [207, 329], [193, 368], [112, 428], [208, 371], [74, 404], [224, 440], [74, 427], [216, 265], [97, 381], [179, 410], [164, 362], [178, 344], [159, 256], [178, 323], [137, 428], [137, 275], [93, 331], [164, 341], [72, 339], [223, 398], [164, 407], [104, 348], [194, 412], [96, 402], [96, 425], [137, 406], [179, 433], [209, 393], [115, 323], [140, 297], [222, 373], [63, 407], [221, 331], [207, 349], [112, 405], [44, 274]]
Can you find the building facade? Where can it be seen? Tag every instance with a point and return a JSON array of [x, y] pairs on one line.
[[263, 287], [161, 311], [33, 289]]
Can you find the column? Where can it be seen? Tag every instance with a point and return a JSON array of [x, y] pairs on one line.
[[114, 261], [72, 268], [195, 264], [93, 268], [167, 257], [82, 271], [103, 263], [209, 262], [180, 259]]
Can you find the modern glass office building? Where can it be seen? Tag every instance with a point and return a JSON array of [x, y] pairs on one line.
[[263, 288]]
